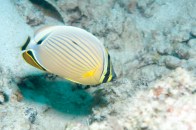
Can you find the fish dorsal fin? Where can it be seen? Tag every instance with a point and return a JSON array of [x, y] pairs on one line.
[[42, 33], [30, 58]]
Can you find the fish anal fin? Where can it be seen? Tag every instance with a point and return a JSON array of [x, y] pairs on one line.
[[29, 58]]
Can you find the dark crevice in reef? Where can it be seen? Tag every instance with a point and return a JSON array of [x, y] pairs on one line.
[[48, 9]]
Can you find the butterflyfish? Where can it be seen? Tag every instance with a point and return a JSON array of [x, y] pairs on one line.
[[71, 53]]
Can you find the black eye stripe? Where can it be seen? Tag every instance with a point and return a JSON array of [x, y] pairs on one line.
[[41, 40], [108, 71]]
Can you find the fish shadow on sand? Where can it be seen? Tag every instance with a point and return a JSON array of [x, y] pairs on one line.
[[60, 95]]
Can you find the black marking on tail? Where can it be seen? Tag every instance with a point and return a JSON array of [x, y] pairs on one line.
[[108, 71]]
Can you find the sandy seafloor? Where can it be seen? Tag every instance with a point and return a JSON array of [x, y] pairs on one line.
[[152, 44]]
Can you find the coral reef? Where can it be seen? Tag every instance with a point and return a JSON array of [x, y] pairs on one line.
[[3, 97], [170, 99]]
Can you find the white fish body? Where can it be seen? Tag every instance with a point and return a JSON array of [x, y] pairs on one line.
[[70, 52]]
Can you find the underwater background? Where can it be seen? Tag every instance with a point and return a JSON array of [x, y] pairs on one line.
[[152, 44]]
